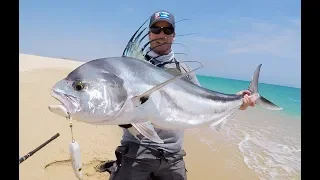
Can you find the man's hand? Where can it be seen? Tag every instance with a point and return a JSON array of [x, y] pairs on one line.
[[247, 100]]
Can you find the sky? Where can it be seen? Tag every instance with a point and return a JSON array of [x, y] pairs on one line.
[[229, 37]]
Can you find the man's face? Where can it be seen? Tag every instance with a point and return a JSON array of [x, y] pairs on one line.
[[161, 46]]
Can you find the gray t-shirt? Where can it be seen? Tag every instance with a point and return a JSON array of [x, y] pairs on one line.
[[173, 139]]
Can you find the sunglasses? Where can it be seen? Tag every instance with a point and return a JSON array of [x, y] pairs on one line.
[[165, 30]]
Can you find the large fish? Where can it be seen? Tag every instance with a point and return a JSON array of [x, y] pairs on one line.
[[135, 94], [125, 90]]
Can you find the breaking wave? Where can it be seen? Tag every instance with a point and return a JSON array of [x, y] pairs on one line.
[[272, 152]]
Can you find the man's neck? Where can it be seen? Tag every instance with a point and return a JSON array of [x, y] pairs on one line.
[[161, 57], [163, 53]]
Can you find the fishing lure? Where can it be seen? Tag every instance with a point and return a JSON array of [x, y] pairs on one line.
[[75, 154]]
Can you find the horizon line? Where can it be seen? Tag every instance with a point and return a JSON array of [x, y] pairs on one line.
[[203, 75]]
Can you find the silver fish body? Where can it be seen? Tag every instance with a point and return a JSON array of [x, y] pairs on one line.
[[126, 90]]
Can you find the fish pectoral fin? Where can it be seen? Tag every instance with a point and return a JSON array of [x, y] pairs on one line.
[[140, 99], [147, 130]]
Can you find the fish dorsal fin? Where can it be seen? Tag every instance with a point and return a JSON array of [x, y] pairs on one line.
[[132, 49], [140, 99]]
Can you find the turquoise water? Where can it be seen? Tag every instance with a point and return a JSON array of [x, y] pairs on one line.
[[288, 98], [271, 147]]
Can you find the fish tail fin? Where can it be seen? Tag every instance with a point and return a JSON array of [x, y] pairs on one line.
[[253, 88]]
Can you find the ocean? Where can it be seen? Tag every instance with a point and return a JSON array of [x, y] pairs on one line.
[[268, 142]]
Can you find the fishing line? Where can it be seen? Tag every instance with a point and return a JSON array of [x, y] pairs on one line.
[[70, 125]]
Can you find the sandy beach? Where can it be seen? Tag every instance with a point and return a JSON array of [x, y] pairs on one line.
[[209, 155]]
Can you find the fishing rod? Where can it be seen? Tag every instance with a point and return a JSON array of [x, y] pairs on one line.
[[21, 159]]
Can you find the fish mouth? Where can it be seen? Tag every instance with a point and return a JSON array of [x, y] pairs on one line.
[[69, 104]]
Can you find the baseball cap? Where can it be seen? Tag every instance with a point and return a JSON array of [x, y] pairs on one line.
[[162, 16]]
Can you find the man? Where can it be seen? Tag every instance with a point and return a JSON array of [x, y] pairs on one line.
[[142, 160]]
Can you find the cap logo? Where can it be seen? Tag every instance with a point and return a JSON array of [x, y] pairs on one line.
[[162, 15]]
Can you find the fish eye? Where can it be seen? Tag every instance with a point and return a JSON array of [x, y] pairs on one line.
[[78, 85]]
